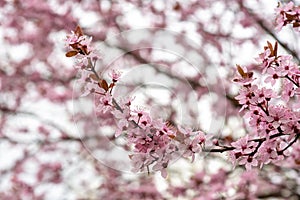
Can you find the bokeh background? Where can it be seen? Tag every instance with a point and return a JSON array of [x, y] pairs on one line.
[[178, 59]]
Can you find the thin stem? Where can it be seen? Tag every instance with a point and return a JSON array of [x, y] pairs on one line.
[[92, 67], [286, 76], [220, 150], [290, 144], [256, 149]]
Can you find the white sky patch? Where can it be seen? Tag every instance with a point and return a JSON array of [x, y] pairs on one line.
[[205, 113], [19, 52], [86, 19], [13, 154], [137, 19], [136, 36]]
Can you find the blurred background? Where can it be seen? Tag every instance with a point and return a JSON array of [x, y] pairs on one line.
[[178, 59]]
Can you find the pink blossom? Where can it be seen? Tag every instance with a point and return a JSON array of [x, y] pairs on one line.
[[163, 129], [273, 76], [271, 125], [286, 66], [233, 157], [265, 59], [267, 152], [280, 22], [243, 145], [245, 94], [115, 75], [140, 161], [121, 120], [252, 97], [278, 115], [193, 142], [88, 84], [248, 161], [141, 117], [74, 38], [288, 90], [162, 165], [287, 14], [285, 8], [105, 103]]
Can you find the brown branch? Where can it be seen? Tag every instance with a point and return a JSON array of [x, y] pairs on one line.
[[290, 144], [220, 150]]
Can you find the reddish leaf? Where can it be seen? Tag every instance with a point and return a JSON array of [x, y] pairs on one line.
[[71, 53], [296, 24], [103, 84], [290, 17], [271, 48], [275, 49], [241, 71], [78, 31], [177, 6], [172, 136]]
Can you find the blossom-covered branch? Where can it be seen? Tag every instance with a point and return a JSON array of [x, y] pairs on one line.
[[156, 143], [272, 116]]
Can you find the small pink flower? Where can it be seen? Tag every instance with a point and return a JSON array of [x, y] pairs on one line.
[[273, 76], [234, 156], [162, 167], [139, 161], [287, 14], [287, 66], [73, 38], [141, 117], [243, 145], [280, 22], [285, 8], [105, 103], [122, 120], [278, 115], [267, 152], [246, 96], [115, 75], [265, 59], [248, 161], [288, 90]]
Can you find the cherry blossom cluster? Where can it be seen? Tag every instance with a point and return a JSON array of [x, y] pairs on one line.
[[155, 142], [287, 14], [274, 117], [280, 68]]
